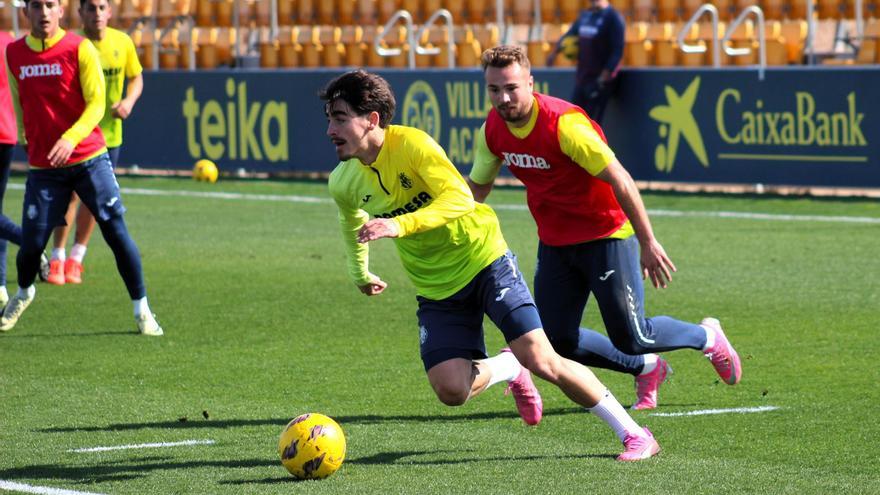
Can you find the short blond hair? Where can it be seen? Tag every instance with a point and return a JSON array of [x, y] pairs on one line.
[[504, 56]]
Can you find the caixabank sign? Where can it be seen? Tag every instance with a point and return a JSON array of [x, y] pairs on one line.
[[796, 127]]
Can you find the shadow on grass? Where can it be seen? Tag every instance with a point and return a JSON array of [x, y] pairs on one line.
[[104, 472], [130, 470], [357, 419], [399, 458]]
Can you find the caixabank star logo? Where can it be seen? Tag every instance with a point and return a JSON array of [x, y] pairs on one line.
[[677, 121]]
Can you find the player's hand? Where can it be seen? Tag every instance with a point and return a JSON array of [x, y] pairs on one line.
[[374, 288], [60, 152], [378, 228], [121, 109], [656, 265]]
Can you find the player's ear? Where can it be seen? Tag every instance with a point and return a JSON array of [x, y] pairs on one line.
[[374, 120]]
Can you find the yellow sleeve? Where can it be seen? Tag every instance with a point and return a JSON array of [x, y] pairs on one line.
[[580, 141], [452, 196], [13, 92], [132, 64], [351, 219], [486, 164], [91, 78]]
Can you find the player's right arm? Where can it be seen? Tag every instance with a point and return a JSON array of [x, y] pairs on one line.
[[485, 169], [351, 219]]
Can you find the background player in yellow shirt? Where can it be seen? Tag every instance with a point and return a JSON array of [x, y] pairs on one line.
[[120, 63], [453, 251]]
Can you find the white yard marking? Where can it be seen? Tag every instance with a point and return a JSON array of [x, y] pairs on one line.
[[12, 486], [156, 445], [703, 412], [514, 207]]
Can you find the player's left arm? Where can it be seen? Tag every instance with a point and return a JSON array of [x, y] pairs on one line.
[[91, 79], [485, 168], [451, 197], [580, 141], [134, 84]]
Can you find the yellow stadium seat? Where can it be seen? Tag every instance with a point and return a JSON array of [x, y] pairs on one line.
[[467, 48], [223, 12], [143, 41], [523, 11], [327, 12], [305, 12], [794, 34], [549, 11], [289, 48], [667, 10], [867, 52], [355, 46], [477, 11], [345, 12], [169, 50], [773, 9], [829, 9], [414, 7], [643, 10], [639, 53], [569, 10], [285, 12], [386, 9], [366, 12]]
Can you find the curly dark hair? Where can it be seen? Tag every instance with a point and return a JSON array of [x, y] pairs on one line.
[[364, 92]]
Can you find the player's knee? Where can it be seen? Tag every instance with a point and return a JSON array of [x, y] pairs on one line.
[[544, 364], [451, 395]]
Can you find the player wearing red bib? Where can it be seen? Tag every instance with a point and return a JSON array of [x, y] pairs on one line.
[[592, 224], [57, 89]]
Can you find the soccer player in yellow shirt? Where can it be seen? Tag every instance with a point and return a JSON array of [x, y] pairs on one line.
[[453, 251], [120, 63]]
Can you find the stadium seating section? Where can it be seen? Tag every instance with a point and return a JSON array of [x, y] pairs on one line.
[[178, 34]]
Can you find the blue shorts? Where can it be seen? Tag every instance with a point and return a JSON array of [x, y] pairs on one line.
[[47, 193], [453, 327]]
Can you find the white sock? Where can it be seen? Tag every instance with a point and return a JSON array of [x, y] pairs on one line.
[[59, 254], [616, 416], [141, 307], [78, 252], [503, 367], [4, 296], [650, 364], [26, 293], [710, 339]]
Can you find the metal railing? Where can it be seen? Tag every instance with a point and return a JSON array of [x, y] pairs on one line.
[[762, 42], [687, 48], [410, 38], [450, 40]]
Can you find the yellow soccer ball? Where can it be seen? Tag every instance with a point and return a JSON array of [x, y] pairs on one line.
[[569, 47], [312, 446], [205, 171]]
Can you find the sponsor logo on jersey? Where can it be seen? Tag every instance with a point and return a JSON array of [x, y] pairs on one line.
[[39, 70], [405, 181], [523, 160], [419, 200]]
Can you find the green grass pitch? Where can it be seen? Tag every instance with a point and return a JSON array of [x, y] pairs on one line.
[[262, 324]]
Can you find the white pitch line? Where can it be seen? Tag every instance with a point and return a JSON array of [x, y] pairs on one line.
[[12, 486], [512, 207], [703, 412], [156, 445]]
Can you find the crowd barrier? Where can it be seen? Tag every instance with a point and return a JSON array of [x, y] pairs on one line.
[[798, 126]]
